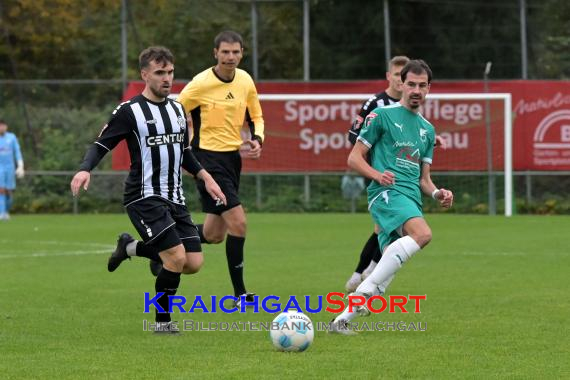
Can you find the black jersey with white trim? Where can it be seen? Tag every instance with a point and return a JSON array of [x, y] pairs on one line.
[[156, 136], [381, 99]]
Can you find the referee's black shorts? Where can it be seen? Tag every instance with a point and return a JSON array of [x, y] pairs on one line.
[[163, 224], [225, 167]]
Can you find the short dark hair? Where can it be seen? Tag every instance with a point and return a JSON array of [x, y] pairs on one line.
[[399, 60], [2, 121], [228, 36], [418, 67], [160, 54]]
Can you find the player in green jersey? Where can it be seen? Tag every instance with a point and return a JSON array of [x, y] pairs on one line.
[[400, 144]]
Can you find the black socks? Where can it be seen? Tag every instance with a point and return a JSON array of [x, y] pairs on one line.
[[147, 251], [369, 251], [234, 254], [166, 282]]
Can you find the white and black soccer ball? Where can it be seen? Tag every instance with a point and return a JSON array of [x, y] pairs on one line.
[[292, 331]]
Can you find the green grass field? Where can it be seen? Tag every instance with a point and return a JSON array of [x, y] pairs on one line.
[[497, 302]]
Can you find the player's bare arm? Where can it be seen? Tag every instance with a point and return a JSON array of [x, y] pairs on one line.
[[443, 196], [192, 166], [80, 179], [212, 187], [254, 149], [357, 160], [440, 142]]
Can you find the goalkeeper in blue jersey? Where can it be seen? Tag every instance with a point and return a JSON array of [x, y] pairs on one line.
[[400, 143], [11, 166]]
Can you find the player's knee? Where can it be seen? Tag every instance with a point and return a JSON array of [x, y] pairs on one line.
[[190, 269], [173, 259], [215, 237], [193, 264], [238, 227], [423, 237]]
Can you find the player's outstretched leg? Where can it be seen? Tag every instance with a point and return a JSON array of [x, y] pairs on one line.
[[394, 257], [127, 247], [375, 260], [368, 271], [342, 326], [234, 221], [120, 253], [167, 282], [234, 255], [155, 267], [366, 256]]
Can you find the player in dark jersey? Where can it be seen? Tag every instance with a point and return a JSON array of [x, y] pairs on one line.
[[371, 254], [156, 133]]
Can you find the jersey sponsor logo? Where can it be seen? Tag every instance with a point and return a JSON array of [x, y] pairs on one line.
[[408, 158], [165, 139], [181, 123], [369, 118], [230, 95], [357, 123], [400, 126], [399, 144]]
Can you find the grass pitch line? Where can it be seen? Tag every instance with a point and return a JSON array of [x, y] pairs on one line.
[[59, 242], [494, 253], [51, 254], [92, 249]]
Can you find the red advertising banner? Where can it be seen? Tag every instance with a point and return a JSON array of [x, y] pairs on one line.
[[309, 135]]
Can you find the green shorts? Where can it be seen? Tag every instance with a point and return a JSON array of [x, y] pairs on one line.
[[390, 210]]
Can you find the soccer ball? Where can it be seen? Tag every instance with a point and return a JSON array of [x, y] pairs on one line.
[[292, 331]]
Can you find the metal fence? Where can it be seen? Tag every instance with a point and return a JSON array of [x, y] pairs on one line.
[[535, 192]]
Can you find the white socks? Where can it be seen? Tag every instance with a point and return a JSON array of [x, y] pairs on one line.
[[366, 272], [356, 277], [132, 248], [381, 289], [395, 255], [346, 315]]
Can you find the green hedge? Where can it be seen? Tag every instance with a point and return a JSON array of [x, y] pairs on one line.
[[60, 135]]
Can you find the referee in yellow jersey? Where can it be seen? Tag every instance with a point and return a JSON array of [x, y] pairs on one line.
[[218, 100]]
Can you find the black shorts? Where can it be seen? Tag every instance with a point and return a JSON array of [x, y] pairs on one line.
[[163, 224], [225, 167]]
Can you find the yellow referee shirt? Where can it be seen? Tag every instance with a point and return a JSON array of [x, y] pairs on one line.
[[218, 109]]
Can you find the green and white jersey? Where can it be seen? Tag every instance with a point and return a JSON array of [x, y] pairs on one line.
[[399, 141]]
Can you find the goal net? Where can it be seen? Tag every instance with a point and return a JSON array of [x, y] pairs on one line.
[[306, 133]]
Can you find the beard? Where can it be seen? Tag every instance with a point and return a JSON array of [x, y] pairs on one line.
[[415, 103], [160, 92]]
